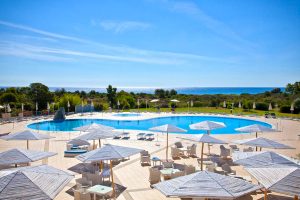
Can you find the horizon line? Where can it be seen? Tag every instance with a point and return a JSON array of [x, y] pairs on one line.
[[148, 87]]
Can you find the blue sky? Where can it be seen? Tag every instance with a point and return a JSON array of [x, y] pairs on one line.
[[150, 43]]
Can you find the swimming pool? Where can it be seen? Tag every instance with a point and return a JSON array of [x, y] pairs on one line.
[[127, 115], [180, 121]]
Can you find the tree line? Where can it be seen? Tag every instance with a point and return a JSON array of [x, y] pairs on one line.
[[39, 94]]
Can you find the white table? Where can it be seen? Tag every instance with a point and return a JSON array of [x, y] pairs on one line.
[[100, 190]]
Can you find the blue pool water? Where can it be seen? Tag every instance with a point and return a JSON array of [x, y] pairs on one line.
[[180, 121], [127, 114]]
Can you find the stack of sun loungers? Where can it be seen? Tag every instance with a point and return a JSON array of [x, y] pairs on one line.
[[75, 150], [145, 136]]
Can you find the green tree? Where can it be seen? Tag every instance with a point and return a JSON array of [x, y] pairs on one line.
[[173, 92], [8, 98], [160, 93], [293, 88], [297, 104], [111, 95], [276, 90], [126, 100], [40, 93], [73, 99]]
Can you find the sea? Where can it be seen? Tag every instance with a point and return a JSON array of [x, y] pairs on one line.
[[180, 90], [184, 90]]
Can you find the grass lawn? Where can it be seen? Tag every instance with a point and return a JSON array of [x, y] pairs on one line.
[[217, 110]]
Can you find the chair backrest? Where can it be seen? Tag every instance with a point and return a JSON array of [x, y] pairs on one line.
[[178, 144], [154, 175], [224, 152], [92, 179], [144, 159], [145, 153], [233, 146], [193, 150], [249, 149], [174, 152], [167, 164], [189, 169]]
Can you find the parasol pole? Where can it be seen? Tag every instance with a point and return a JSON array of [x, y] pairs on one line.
[[202, 156], [112, 178]]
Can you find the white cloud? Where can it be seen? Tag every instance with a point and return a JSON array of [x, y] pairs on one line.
[[121, 26], [213, 24], [96, 51]]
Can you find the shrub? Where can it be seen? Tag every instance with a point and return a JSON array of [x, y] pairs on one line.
[[200, 104], [262, 106], [285, 109], [100, 106]]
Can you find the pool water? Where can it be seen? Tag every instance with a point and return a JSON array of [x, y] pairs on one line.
[[180, 121], [127, 115]]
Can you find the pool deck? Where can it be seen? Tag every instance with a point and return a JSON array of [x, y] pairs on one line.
[[131, 174]]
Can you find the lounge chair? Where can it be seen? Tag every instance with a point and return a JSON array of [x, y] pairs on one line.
[[117, 137], [233, 148], [177, 174], [224, 152], [273, 115], [154, 175], [73, 153], [249, 149], [140, 136], [145, 158], [149, 136], [189, 169], [191, 150], [227, 169], [4, 134], [178, 144], [176, 153], [125, 136]]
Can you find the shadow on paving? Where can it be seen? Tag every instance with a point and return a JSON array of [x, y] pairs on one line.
[[277, 197], [119, 189]]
